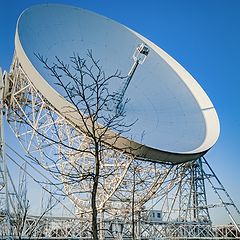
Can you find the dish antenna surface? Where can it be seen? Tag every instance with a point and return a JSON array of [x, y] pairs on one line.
[[177, 117]]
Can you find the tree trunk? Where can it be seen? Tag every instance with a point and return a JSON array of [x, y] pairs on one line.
[[133, 202], [94, 194]]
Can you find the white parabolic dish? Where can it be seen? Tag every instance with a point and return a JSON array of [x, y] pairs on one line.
[[177, 117]]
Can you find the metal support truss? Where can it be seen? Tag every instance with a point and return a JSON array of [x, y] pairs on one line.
[[74, 228], [136, 199], [4, 193], [146, 227], [185, 209], [223, 196]]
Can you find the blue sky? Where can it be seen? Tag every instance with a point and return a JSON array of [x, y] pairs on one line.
[[202, 35]]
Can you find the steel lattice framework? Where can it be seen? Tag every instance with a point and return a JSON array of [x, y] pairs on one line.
[[132, 191], [72, 228]]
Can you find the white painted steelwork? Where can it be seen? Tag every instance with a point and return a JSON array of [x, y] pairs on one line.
[[66, 228], [178, 119], [188, 222]]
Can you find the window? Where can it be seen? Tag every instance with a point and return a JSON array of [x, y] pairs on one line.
[[158, 215]]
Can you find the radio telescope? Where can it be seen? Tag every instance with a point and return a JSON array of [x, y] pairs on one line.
[[176, 121]]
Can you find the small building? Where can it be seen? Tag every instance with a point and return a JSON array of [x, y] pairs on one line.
[[154, 216]]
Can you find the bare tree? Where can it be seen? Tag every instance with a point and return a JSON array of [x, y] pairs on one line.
[[20, 205], [85, 85], [21, 208]]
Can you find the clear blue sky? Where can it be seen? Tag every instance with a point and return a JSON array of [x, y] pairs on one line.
[[202, 35]]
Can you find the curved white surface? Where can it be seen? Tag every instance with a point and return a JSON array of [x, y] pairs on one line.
[[177, 117]]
